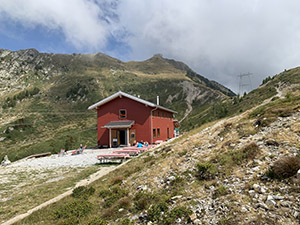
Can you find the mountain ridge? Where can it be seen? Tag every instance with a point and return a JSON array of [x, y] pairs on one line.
[[41, 89]]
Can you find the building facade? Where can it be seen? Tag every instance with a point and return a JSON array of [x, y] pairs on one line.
[[123, 119]]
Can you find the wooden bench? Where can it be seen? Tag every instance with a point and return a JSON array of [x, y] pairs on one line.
[[113, 157], [38, 155], [131, 152]]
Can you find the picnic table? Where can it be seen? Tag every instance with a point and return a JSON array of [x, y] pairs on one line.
[[113, 157]]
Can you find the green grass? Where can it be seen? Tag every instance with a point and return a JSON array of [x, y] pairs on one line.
[[29, 190]]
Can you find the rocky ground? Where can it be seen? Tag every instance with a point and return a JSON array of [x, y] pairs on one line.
[[87, 158], [245, 195]]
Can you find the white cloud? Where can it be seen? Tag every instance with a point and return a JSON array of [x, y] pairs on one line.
[[79, 20], [218, 39]]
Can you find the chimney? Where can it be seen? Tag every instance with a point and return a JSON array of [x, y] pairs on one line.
[[157, 100]]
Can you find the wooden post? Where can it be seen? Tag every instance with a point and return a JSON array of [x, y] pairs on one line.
[[109, 137], [128, 144]]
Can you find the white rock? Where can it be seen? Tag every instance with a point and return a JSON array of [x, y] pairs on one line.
[[251, 193], [298, 174], [256, 187], [278, 197], [5, 161], [244, 209], [262, 190], [197, 222], [270, 200]]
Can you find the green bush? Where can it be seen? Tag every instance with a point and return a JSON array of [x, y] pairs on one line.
[[154, 213], [206, 171], [124, 202], [142, 200], [284, 168], [178, 212], [97, 221], [127, 222], [83, 192], [249, 152], [112, 196], [117, 180], [220, 191], [69, 221], [76, 208]]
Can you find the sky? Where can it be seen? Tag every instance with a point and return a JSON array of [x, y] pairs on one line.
[[219, 39]]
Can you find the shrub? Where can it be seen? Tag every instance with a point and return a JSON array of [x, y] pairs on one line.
[[77, 209], [154, 213], [247, 153], [117, 180], [149, 158], [127, 222], [83, 192], [284, 167], [113, 196], [124, 202], [178, 212], [97, 221], [69, 221], [206, 171], [142, 200], [220, 191]]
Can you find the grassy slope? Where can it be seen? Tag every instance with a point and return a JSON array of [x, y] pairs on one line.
[[119, 188]]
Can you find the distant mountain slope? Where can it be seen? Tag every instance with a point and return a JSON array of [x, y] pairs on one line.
[[44, 96]]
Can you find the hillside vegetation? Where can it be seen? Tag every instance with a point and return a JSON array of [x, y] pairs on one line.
[[44, 97], [237, 170]]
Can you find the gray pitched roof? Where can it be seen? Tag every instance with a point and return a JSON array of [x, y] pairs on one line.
[[120, 124], [120, 93]]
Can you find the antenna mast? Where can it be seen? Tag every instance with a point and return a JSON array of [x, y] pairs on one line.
[[245, 84]]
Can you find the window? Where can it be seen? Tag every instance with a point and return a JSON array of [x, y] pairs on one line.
[[157, 114], [154, 133], [122, 114], [158, 132]]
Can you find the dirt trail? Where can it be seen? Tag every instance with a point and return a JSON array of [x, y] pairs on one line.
[[90, 179]]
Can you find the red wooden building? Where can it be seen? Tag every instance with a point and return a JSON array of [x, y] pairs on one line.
[[123, 119]]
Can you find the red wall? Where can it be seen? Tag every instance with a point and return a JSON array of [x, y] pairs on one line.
[[138, 112], [162, 119], [135, 111]]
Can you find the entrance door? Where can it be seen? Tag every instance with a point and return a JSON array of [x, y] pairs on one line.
[[123, 137], [132, 136]]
